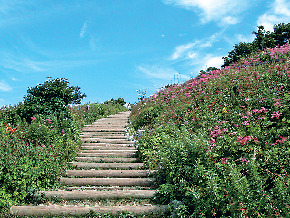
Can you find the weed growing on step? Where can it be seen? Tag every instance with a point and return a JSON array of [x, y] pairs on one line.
[[221, 142]]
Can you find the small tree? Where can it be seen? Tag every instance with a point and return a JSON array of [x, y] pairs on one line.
[[51, 97]]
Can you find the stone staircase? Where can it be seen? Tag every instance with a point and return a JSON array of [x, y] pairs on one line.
[[107, 177]]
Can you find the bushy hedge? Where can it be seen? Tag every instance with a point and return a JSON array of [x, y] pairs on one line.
[[221, 141]]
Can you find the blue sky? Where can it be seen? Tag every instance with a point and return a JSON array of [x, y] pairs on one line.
[[111, 48]]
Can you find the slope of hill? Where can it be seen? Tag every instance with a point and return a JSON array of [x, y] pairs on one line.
[[221, 141]]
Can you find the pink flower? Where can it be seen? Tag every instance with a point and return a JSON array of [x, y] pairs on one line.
[[244, 140], [282, 140], [212, 140], [277, 114], [262, 110], [244, 160], [62, 131], [261, 117], [246, 123], [255, 111], [278, 104], [33, 118], [224, 160]]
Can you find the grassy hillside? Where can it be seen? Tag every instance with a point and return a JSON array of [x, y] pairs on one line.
[[221, 141]]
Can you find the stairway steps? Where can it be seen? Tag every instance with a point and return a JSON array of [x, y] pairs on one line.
[[123, 151], [108, 144], [107, 181], [106, 171], [55, 210], [109, 188], [108, 165], [97, 195], [109, 173], [107, 154], [85, 147], [106, 159]]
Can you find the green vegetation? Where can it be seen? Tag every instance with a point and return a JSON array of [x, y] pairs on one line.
[[39, 137], [263, 39], [221, 141]]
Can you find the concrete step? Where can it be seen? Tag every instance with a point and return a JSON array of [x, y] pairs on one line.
[[119, 130], [109, 173], [55, 210], [125, 148], [107, 144], [122, 151], [108, 188], [106, 159], [108, 165], [96, 195], [88, 129], [105, 137], [102, 140], [130, 155], [107, 181]]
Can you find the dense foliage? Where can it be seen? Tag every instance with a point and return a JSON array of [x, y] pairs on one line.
[[34, 154], [51, 97], [221, 142], [263, 39]]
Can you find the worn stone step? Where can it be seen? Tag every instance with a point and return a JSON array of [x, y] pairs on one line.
[[113, 141], [107, 144], [102, 140], [96, 195], [106, 159], [132, 154], [109, 173], [108, 165], [55, 210], [107, 181], [108, 188], [119, 130], [122, 151], [125, 148]]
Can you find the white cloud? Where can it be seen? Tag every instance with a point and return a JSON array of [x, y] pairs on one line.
[[282, 7], [213, 10], [84, 29], [159, 72], [214, 61], [191, 50], [181, 49], [279, 13], [230, 20], [4, 86]]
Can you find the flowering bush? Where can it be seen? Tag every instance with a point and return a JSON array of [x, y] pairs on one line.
[[34, 154], [221, 141]]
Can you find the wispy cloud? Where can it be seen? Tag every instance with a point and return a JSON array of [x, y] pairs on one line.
[[278, 13], [84, 29], [159, 72], [182, 50], [191, 50], [4, 86], [222, 11]]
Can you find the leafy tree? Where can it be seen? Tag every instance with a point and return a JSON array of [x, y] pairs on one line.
[[264, 39], [119, 101], [51, 97]]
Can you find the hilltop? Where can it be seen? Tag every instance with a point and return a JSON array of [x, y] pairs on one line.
[[221, 141]]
